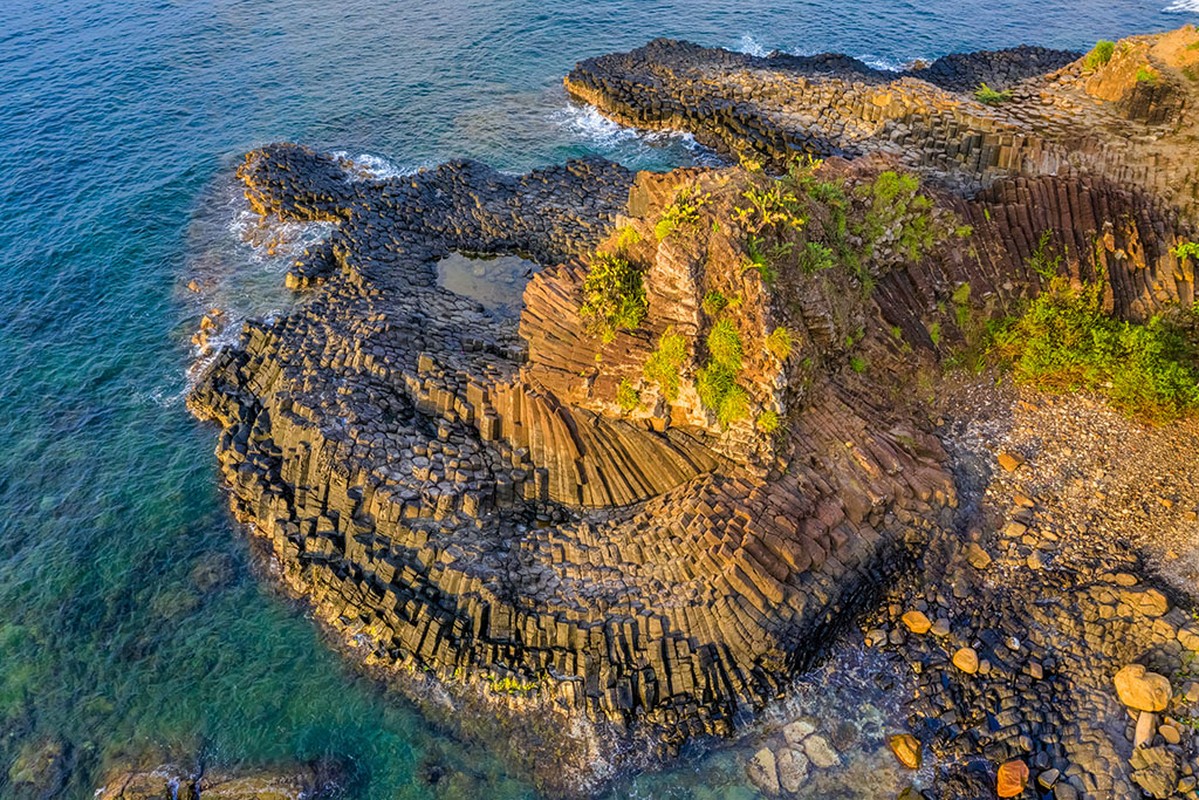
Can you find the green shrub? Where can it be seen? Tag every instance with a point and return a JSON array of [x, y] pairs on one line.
[[816, 257], [1065, 342], [934, 333], [857, 364], [767, 422], [766, 259], [716, 382], [1100, 54], [985, 94], [684, 211], [626, 237], [613, 296], [894, 202], [627, 397], [1040, 261], [714, 302], [1186, 250], [1146, 75], [770, 206], [663, 365], [779, 343], [719, 392]]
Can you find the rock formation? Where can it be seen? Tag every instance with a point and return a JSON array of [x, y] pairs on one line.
[[653, 521]]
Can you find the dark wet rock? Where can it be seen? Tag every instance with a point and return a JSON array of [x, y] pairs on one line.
[[461, 496], [174, 783]]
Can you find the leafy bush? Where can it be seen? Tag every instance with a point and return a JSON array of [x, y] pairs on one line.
[[770, 206], [816, 257], [662, 367], [719, 392], [1146, 75], [766, 258], [626, 237], [897, 209], [683, 211], [613, 296], [985, 94], [1065, 342], [1100, 54], [716, 382], [779, 343], [1186, 250], [857, 364], [627, 397]]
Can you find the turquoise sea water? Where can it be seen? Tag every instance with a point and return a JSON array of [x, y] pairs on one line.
[[130, 621]]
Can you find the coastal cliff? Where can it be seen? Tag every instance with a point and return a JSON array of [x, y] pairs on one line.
[[712, 441]]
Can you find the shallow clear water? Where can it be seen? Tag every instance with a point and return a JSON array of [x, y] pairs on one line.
[[129, 619]]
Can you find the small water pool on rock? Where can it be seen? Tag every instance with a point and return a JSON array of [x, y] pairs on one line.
[[496, 282]]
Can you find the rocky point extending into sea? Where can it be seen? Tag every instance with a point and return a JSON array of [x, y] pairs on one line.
[[728, 427]]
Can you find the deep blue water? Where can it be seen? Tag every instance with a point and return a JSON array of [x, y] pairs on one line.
[[130, 622]]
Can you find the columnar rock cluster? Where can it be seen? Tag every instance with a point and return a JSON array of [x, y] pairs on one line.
[[1123, 119], [458, 493], [655, 518]]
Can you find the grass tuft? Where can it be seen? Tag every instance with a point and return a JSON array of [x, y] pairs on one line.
[[988, 96], [779, 343], [1100, 54], [627, 397], [613, 296], [663, 365]]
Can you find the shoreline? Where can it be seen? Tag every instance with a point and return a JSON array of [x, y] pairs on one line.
[[465, 551]]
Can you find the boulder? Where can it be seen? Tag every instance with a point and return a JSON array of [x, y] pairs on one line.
[[906, 748], [1009, 461], [763, 771], [1011, 779], [792, 769], [1142, 690], [820, 752], [916, 621], [966, 660], [978, 558]]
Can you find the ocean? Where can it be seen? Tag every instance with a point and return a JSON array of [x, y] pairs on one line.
[[132, 625]]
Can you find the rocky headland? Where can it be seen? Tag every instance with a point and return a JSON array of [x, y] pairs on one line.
[[740, 417]]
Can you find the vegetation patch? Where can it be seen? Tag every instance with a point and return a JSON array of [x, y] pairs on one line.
[[779, 343], [683, 212], [897, 214], [714, 302], [627, 397], [1186, 250], [768, 422], [1147, 75], [991, 97], [613, 296], [716, 382], [1065, 342], [1100, 54], [663, 365]]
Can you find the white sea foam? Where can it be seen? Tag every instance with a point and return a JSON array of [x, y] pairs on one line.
[[749, 45], [585, 122], [365, 166], [1183, 7], [879, 62]]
